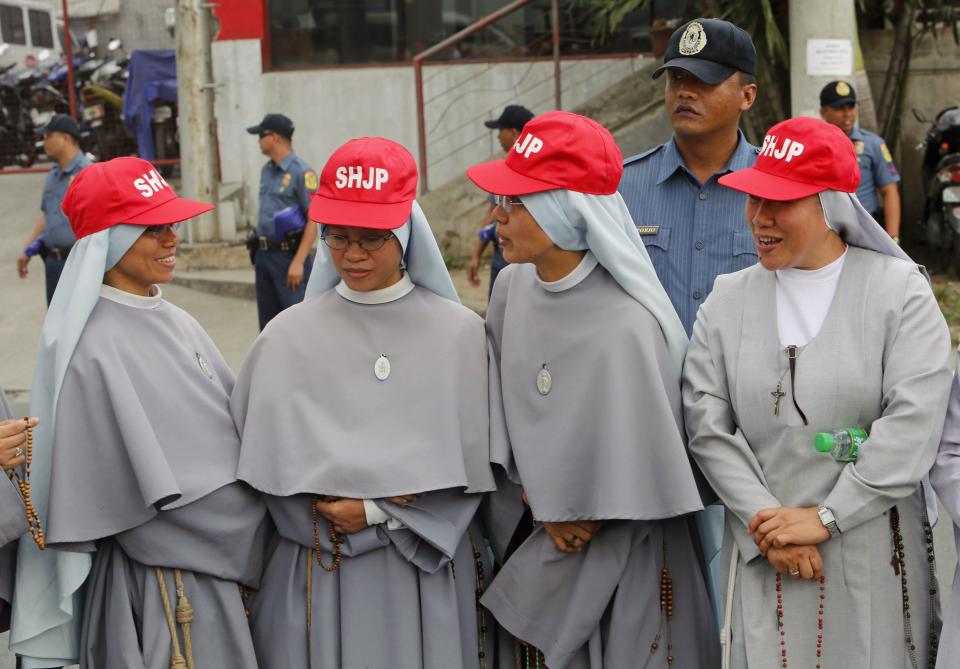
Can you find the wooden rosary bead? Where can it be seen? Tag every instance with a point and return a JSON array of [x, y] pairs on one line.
[[335, 540], [478, 589], [782, 628], [33, 518]]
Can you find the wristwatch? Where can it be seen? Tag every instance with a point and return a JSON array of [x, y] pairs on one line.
[[828, 520]]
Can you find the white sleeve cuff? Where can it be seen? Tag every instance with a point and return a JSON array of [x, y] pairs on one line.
[[375, 515]]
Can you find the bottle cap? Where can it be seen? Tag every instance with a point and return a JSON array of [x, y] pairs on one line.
[[823, 442]]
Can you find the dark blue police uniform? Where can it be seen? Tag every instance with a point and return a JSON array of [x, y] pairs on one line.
[[692, 231], [58, 236], [876, 167], [291, 183]]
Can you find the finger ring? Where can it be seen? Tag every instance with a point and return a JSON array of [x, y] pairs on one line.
[[795, 572], [19, 451]]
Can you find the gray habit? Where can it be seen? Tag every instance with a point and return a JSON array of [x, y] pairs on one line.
[[334, 428], [13, 523], [881, 361], [945, 477], [605, 443], [144, 460], [315, 420]]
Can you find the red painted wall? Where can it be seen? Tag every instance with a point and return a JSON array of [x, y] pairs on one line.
[[241, 19]]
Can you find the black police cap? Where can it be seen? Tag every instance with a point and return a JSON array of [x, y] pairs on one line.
[[513, 116], [711, 50], [62, 123], [277, 123], [838, 94]]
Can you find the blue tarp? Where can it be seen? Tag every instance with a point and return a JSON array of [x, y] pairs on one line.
[[153, 76]]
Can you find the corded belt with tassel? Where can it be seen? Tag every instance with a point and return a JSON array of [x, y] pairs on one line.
[[184, 617]]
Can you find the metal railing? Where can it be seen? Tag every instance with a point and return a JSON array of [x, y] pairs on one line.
[[420, 58]]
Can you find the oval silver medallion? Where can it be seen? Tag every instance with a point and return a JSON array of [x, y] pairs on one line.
[[544, 381], [205, 368], [381, 368]]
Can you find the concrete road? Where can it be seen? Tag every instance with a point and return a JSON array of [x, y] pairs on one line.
[[231, 322]]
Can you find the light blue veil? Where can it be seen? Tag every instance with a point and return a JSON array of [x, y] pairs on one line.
[[45, 620], [421, 257], [601, 223]]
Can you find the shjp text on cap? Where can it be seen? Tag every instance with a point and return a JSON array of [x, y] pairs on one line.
[[149, 183], [790, 148], [352, 177], [529, 146]]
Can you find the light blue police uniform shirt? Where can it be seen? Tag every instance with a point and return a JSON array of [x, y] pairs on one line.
[[281, 186], [876, 167], [57, 232], [692, 232]]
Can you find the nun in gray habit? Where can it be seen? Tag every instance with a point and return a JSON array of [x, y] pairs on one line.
[[13, 519], [363, 417], [828, 561], [945, 477], [586, 352], [149, 535]]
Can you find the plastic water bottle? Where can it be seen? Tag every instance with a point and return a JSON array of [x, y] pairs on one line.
[[843, 445]]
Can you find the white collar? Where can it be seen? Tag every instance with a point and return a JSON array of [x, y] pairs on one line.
[[151, 301], [828, 272], [581, 272], [381, 296]]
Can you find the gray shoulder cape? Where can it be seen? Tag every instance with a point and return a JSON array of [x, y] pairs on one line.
[[315, 418], [606, 441], [143, 422]]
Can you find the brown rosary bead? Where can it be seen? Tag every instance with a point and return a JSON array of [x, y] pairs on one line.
[[335, 540], [33, 518]]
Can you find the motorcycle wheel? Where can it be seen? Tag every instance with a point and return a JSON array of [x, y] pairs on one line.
[[28, 157]]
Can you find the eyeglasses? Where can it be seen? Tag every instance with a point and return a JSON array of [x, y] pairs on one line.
[[158, 231], [507, 202], [367, 243]]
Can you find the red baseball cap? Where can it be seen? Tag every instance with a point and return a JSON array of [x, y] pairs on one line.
[[369, 182], [556, 150], [799, 157], [124, 190]]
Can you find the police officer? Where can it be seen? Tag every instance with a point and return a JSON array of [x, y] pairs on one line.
[[693, 228], [283, 241], [878, 174], [508, 127], [52, 238]]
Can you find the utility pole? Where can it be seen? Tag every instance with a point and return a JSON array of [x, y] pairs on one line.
[[822, 39], [198, 157]]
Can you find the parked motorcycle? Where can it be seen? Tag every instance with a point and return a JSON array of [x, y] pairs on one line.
[[102, 95], [17, 133], [941, 175]]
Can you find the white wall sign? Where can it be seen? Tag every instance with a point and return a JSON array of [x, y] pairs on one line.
[[830, 57]]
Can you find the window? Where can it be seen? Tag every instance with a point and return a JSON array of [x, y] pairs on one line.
[[12, 29], [41, 32], [307, 33]]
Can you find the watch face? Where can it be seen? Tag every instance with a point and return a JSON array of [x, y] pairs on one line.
[[828, 520]]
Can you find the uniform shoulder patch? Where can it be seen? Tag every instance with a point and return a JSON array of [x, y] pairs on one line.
[[885, 152], [310, 180]]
